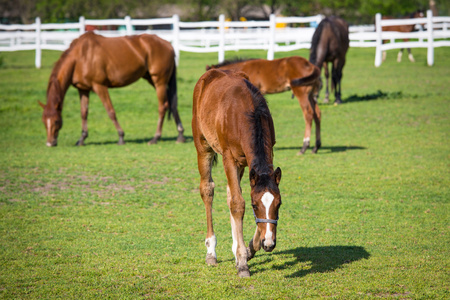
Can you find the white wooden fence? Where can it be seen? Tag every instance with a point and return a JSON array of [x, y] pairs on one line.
[[435, 35], [275, 35], [200, 37]]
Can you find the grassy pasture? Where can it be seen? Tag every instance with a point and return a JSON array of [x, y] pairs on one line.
[[366, 217]]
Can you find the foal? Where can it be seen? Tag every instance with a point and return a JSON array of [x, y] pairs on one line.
[[279, 75], [231, 117]]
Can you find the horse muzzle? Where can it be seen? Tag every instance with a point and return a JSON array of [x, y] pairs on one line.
[[268, 245], [53, 143]]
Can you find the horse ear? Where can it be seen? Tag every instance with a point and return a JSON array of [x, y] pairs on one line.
[[253, 177], [41, 104], [277, 175], [207, 67]]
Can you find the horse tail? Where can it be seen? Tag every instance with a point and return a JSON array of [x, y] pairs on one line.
[[316, 40], [172, 96], [307, 80]]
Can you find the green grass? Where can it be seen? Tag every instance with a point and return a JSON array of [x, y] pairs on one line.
[[366, 217]]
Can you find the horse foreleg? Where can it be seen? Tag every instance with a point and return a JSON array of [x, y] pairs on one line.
[[102, 92], [410, 56], [327, 75], [205, 159], [236, 205], [163, 105], [399, 55], [84, 103]]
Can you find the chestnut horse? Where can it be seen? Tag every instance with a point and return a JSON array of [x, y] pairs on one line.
[[290, 73], [402, 28], [329, 44], [231, 117], [95, 63]]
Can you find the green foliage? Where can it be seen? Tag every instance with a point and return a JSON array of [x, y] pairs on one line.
[[354, 11], [367, 217]]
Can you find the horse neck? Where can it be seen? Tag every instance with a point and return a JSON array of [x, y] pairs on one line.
[[59, 82]]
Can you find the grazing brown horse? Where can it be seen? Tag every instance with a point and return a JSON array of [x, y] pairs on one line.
[[291, 73], [329, 44], [95, 63], [402, 28], [231, 117]]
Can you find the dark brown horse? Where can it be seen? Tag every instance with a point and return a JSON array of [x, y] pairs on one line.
[[291, 73], [96, 63], [329, 44], [402, 28], [231, 117]]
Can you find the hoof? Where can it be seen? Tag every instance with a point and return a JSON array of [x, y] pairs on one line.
[[79, 143], [153, 141], [243, 272], [326, 100], [211, 260], [300, 153], [337, 102], [181, 140], [121, 143]]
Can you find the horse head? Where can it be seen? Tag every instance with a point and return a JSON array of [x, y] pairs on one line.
[[51, 117], [266, 201]]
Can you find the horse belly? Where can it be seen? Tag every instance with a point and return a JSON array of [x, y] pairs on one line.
[[120, 76]]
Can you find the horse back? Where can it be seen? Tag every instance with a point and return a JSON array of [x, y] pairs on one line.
[[221, 104], [119, 61]]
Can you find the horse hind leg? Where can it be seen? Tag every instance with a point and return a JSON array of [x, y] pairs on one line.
[[84, 103], [317, 118], [102, 92], [337, 77], [302, 96], [327, 76], [163, 106]]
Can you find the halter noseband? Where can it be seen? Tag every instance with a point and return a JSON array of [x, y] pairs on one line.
[[257, 220]]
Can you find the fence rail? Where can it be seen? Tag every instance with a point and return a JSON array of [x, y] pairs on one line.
[[278, 34], [434, 35]]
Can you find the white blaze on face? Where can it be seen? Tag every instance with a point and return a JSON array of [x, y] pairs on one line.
[[49, 123], [267, 200]]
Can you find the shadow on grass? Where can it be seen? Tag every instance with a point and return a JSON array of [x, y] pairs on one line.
[[189, 139], [324, 149], [306, 261], [379, 95]]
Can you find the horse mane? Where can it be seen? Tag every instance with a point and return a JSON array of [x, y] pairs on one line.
[[262, 139], [230, 62]]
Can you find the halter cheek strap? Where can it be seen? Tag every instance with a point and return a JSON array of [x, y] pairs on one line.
[[257, 220]]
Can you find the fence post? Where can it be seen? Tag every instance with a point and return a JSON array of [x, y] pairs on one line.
[[38, 43], [222, 38], [378, 51], [176, 37], [430, 52], [271, 50], [129, 28], [82, 22]]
